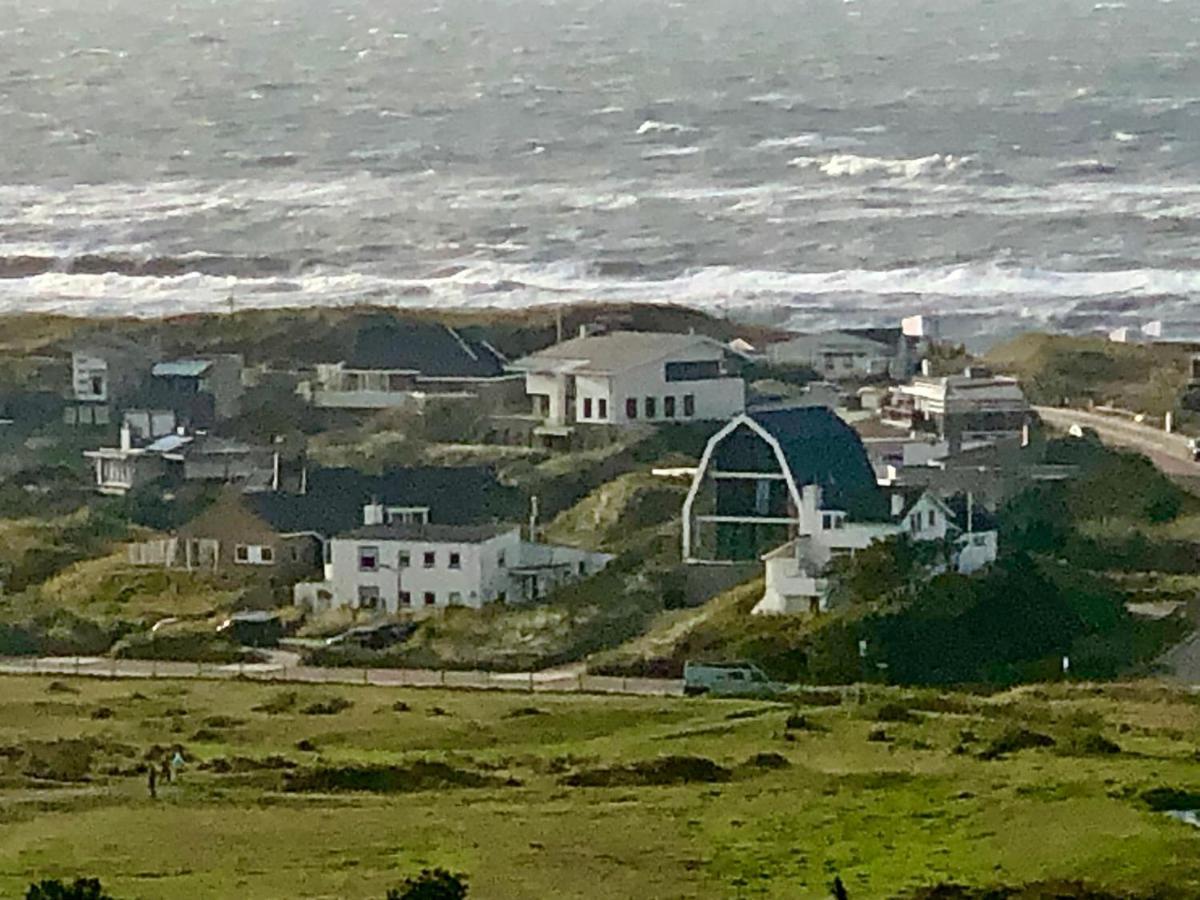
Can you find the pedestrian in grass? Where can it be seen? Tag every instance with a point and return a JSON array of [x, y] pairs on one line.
[[839, 889], [152, 781], [164, 773]]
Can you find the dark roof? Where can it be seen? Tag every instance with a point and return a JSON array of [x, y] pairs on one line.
[[334, 499], [889, 337], [437, 534], [982, 519], [430, 349], [822, 449]]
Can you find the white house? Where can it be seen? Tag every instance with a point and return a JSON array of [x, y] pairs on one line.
[[631, 378], [795, 572], [106, 371], [973, 406], [396, 567], [851, 353]]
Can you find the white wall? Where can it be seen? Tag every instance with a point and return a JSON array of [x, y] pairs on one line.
[[594, 388], [553, 386], [478, 580], [716, 398]]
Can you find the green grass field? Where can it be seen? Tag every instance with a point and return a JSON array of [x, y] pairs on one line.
[[887, 815]]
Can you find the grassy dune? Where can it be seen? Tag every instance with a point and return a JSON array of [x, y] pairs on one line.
[[786, 807]]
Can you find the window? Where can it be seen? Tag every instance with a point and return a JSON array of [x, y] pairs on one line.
[[932, 518], [700, 370], [914, 522], [368, 559], [455, 598], [430, 559], [97, 386], [253, 555], [587, 407], [839, 522], [582, 568], [762, 497], [368, 596], [631, 408], [602, 408], [651, 407], [455, 560], [405, 559], [500, 559], [501, 596], [266, 554], [241, 553], [669, 407], [689, 405], [406, 598], [826, 521], [430, 598]]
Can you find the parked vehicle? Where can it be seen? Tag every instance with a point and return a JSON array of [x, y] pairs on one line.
[[253, 628], [740, 679], [373, 637]]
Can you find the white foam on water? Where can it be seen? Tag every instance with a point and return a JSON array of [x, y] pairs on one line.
[[652, 126], [850, 165], [983, 287]]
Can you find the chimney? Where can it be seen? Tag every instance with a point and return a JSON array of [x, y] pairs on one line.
[[126, 438], [373, 513], [927, 368]]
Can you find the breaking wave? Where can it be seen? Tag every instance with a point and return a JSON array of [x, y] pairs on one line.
[[652, 126], [849, 165]]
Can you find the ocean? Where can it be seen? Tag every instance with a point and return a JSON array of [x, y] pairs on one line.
[[1007, 164]]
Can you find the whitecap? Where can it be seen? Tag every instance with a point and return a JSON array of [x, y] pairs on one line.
[[652, 126], [1124, 137], [670, 152], [807, 139], [850, 165]]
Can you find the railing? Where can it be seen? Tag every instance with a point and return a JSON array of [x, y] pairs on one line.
[[528, 682]]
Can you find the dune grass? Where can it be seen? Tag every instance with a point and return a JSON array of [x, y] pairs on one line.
[[886, 801]]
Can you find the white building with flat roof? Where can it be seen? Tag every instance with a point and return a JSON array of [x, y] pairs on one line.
[[631, 378], [410, 566]]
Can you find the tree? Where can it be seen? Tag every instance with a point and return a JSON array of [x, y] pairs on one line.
[[80, 889], [431, 884]]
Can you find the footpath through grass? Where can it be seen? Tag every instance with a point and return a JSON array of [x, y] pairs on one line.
[[340, 792]]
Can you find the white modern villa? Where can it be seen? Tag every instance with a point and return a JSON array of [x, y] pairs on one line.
[[631, 378]]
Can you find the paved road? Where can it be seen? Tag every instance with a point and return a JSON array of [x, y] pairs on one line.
[[278, 670], [1168, 451]]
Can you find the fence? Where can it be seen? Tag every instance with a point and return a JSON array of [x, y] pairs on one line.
[[528, 682]]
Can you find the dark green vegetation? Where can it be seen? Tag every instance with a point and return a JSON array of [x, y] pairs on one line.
[[1054, 369], [894, 791], [1060, 588]]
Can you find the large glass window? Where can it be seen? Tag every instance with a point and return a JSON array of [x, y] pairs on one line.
[[631, 408], [700, 370]]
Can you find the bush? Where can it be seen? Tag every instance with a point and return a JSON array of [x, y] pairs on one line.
[[1168, 799], [431, 884], [330, 707], [895, 712], [665, 770], [1015, 740], [1093, 744], [80, 889], [65, 760], [283, 702], [420, 776]]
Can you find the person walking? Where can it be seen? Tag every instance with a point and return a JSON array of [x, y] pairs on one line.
[[152, 782]]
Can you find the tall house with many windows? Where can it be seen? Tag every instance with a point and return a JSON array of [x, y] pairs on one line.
[[630, 378]]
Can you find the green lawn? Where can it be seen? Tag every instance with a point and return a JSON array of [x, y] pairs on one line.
[[884, 815]]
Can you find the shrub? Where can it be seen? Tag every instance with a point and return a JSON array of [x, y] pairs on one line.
[[423, 775], [330, 707], [1094, 744], [665, 770], [431, 884], [1015, 740], [65, 760], [767, 761], [80, 889], [283, 702], [894, 712], [1168, 799]]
